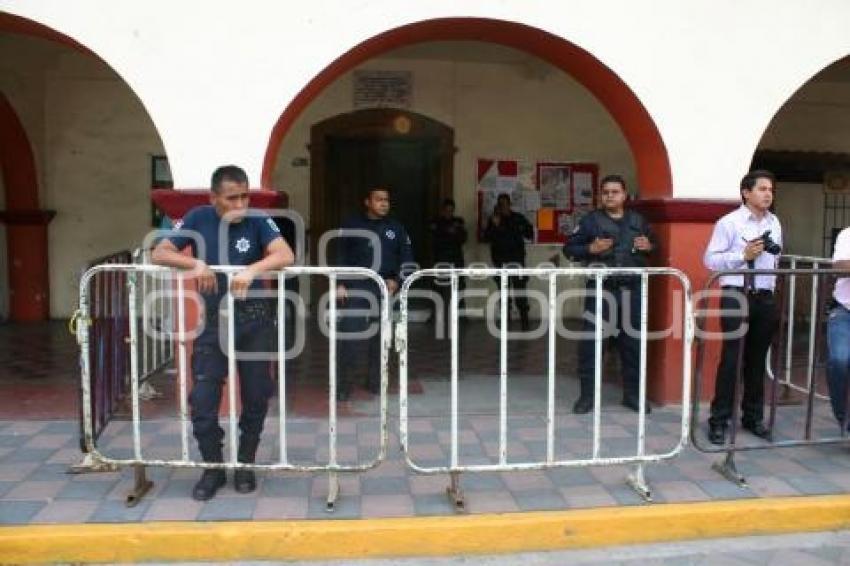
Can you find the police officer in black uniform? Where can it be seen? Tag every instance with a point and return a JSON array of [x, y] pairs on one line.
[[448, 235], [358, 295], [612, 236], [507, 231]]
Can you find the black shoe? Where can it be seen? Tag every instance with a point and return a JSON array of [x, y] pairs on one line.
[[210, 482], [633, 402], [244, 481], [757, 429], [583, 405], [716, 433]]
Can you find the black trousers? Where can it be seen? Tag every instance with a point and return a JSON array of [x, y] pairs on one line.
[[354, 340], [209, 369], [623, 322], [762, 326], [516, 287]]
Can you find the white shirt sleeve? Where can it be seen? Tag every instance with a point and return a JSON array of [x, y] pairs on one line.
[[721, 253], [842, 246]]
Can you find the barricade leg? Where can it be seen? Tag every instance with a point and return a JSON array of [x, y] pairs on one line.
[[455, 493], [141, 486], [333, 491], [729, 470], [637, 481]]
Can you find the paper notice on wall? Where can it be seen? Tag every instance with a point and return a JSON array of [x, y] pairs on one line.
[[531, 200], [554, 184], [546, 219], [583, 190], [525, 176], [566, 223]]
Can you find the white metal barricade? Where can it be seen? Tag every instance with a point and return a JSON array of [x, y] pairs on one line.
[[173, 286], [158, 319], [800, 262], [551, 275]]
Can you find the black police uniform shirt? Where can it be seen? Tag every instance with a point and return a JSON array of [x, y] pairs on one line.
[[598, 224], [245, 243], [448, 236], [396, 249], [507, 240]]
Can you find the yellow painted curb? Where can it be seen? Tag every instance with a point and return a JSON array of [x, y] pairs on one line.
[[433, 536]]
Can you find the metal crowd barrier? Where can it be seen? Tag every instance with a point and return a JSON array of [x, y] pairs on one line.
[[133, 275], [640, 456], [107, 322], [158, 317], [781, 349], [817, 302]]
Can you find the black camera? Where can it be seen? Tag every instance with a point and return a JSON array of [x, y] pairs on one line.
[[770, 246]]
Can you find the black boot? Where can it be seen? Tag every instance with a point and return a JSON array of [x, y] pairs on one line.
[[245, 481], [212, 479]]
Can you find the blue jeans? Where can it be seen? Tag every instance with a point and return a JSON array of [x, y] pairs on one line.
[[838, 368]]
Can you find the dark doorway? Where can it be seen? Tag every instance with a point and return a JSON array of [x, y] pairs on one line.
[[409, 153], [406, 167]]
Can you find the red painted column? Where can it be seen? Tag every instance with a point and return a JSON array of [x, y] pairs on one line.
[[683, 228], [26, 248]]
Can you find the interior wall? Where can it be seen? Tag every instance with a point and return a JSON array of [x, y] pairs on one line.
[[816, 118], [92, 140], [520, 107]]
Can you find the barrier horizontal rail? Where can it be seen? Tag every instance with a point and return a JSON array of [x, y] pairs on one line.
[[133, 273], [454, 467], [728, 468]]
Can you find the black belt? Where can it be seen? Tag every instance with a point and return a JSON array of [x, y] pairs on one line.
[[754, 292]]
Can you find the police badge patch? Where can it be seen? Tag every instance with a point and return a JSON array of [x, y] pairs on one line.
[[390, 234]]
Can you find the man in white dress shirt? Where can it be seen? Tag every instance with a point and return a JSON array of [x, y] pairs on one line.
[[838, 331], [739, 242]]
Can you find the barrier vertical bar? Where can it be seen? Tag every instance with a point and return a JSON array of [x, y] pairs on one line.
[[182, 368], [503, 375], [281, 363], [134, 368], [454, 490], [789, 345], [333, 480], [810, 369], [231, 368], [597, 370], [550, 394], [637, 480]]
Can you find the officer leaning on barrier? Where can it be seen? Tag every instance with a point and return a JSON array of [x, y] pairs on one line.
[[612, 236], [838, 330], [507, 231], [253, 242], [749, 237], [354, 294], [448, 234]]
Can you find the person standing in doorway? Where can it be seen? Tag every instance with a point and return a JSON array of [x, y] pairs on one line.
[[448, 235], [370, 239], [507, 231]]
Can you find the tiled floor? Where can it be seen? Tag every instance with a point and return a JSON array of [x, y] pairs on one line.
[[35, 488], [38, 444]]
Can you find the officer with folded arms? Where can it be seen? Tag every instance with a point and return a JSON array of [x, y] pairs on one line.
[[748, 237]]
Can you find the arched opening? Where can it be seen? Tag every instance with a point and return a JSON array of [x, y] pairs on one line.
[[77, 146], [807, 145], [652, 164]]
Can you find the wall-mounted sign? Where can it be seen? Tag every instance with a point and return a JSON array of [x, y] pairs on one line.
[[379, 89]]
